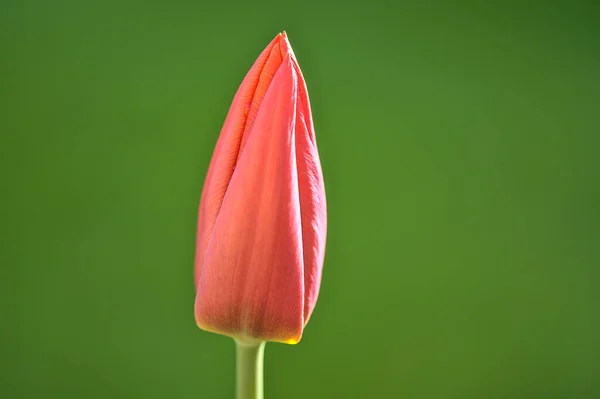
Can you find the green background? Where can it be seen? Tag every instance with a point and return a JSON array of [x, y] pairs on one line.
[[460, 143]]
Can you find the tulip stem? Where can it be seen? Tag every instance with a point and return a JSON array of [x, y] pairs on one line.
[[249, 369]]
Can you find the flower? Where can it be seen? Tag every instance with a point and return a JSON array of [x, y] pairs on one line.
[[262, 221]]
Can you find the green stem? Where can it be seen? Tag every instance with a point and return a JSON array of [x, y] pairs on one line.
[[249, 369]]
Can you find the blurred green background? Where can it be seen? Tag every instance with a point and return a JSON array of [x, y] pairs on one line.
[[460, 143]]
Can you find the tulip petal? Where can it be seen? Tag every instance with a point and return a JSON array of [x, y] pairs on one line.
[[312, 198], [230, 143], [252, 280]]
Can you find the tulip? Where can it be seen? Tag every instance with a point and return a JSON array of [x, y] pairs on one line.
[[262, 218]]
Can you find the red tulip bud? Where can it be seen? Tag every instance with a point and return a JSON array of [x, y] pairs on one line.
[[262, 220]]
